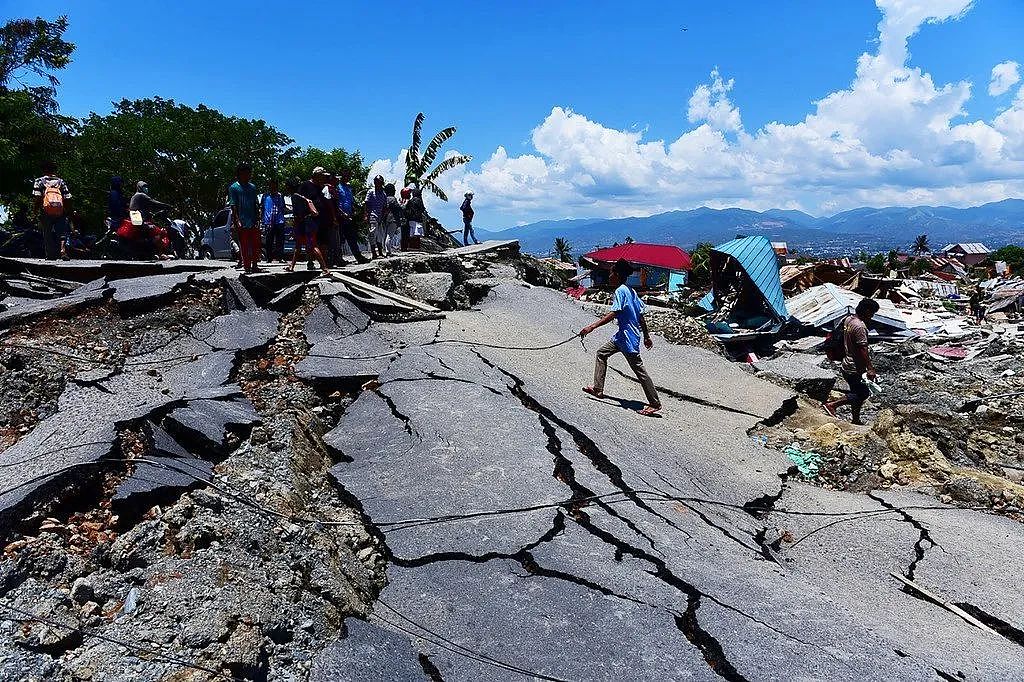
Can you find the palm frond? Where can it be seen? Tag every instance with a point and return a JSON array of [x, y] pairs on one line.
[[430, 153], [447, 165], [417, 132], [429, 184]]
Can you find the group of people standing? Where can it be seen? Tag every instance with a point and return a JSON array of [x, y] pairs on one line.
[[324, 218]]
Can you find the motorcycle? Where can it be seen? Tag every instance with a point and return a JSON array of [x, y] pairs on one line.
[[137, 240]]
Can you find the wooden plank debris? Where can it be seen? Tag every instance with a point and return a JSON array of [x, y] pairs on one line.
[[952, 608], [361, 286]]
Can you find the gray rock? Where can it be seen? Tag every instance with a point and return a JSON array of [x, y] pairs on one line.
[[82, 591], [432, 287]]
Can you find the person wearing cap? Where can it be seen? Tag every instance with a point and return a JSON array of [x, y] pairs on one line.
[[628, 311], [467, 220], [375, 207]]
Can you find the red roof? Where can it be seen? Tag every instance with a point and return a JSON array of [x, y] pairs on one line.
[[656, 255]]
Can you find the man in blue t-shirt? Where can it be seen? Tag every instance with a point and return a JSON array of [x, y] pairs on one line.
[[628, 310]]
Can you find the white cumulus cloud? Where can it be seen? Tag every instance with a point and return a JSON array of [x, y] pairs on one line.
[[892, 136], [1004, 77]]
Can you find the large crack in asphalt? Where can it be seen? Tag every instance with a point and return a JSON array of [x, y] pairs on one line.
[[924, 536], [686, 621]]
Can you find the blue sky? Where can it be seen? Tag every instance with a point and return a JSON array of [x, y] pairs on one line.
[[623, 79]]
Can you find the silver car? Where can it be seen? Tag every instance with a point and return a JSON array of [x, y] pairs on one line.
[[217, 241]]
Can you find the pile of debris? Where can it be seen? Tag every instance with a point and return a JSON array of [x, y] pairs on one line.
[[679, 327]]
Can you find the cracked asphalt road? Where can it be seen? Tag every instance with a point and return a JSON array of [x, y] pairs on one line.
[[619, 583]]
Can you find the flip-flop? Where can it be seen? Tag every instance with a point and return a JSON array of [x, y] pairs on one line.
[[649, 412], [591, 391], [830, 411]]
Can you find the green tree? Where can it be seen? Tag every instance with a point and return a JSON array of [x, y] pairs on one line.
[[31, 128], [562, 250], [862, 257], [893, 259], [876, 263], [700, 264], [921, 245], [918, 266], [1012, 254], [418, 166], [299, 163], [187, 155]]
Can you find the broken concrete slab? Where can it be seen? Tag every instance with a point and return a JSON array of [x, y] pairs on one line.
[[288, 298], [367, 653], [239, 330], [138, 293], [205, 422], [237, 296], [335, 318], [87, 270], [801, 373], [432, 287], [89, 292], [405, 464]]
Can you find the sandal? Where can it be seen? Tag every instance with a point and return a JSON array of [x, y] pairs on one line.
[[829, 410], [591, 391], [650, 411]]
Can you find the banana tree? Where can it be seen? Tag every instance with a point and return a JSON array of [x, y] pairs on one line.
[[418, 166]]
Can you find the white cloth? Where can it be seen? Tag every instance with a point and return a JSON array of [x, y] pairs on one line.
[[415, 229]]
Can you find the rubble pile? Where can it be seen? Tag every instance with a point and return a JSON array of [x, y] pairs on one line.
[[678, 327]]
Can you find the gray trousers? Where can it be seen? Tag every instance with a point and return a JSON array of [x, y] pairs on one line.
[[635, 363]]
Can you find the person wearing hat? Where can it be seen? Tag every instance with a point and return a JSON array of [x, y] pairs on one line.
[[628, 311], [467, 220]]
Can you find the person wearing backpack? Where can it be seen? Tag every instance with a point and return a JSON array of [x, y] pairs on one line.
[[53, 198], [856, 361]]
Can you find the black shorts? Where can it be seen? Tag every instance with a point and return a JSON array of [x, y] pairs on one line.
[[859, 391]]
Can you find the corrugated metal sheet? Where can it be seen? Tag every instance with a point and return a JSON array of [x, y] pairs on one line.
[[757, 258], [967, 247], [822, 306]]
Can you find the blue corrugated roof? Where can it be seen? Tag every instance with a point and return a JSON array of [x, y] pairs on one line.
[[757, 258]]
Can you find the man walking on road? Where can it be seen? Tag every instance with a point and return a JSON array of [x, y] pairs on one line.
[[53, 198], [628, 310], [857, 360], [467, 220]]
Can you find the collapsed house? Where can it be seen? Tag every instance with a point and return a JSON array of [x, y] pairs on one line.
[[746, 299], [821, 307], [656, 266], [797, 278]]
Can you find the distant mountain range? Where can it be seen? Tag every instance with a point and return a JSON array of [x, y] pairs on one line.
[[870, 229]]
